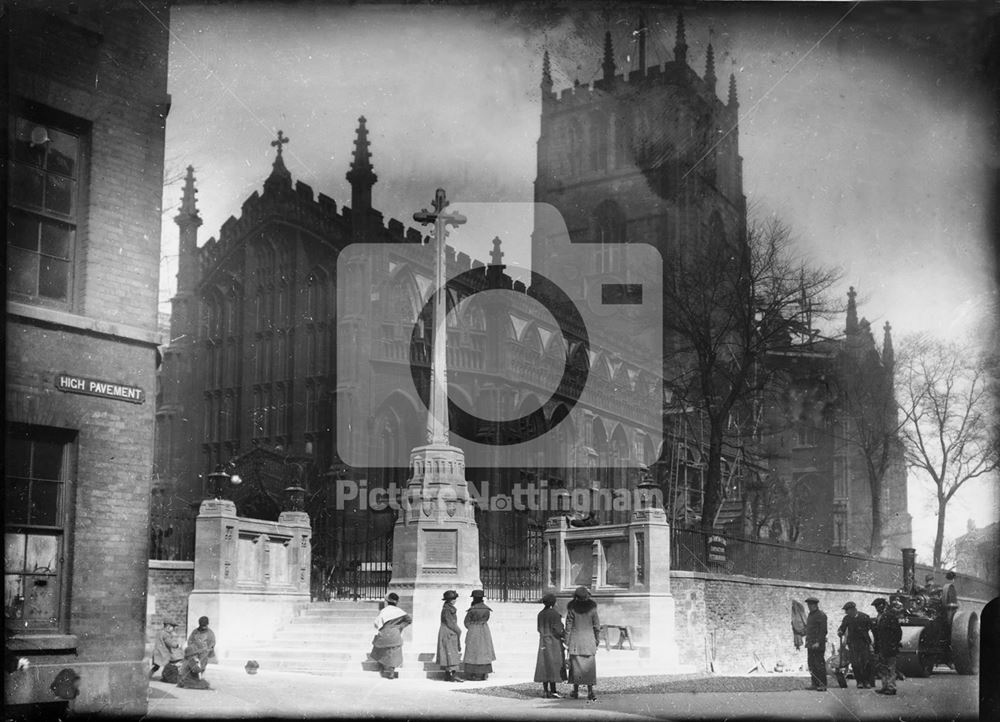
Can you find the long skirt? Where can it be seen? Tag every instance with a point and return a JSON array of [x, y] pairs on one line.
[[582, 669], [549, 663], [388, 657], [477, 668]]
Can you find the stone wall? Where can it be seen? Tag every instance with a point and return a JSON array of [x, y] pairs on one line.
[[726, 619], [170, 583]]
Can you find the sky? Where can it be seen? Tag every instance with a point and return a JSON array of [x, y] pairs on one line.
[[868, 129]]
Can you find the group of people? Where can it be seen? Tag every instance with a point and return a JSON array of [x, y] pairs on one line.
[[387, 646], [578, 638], [184, 668], [872, 644]]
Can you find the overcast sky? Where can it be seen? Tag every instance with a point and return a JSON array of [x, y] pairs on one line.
[[866, 128]]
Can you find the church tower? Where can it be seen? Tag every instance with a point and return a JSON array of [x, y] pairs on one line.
[[650, 155]]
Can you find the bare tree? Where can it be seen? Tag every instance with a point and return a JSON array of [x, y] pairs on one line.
[[868, 419], [727, 305], [946, 393]]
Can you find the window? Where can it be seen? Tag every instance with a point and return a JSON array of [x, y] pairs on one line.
[[46, 171], [609, 232], [36, 521]]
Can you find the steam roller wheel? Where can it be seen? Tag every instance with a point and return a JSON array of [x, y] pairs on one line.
[[965, 642], [911, 661]]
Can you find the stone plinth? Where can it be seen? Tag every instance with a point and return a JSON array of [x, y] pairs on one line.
[[435, 542], [250, 575], [627, 569]]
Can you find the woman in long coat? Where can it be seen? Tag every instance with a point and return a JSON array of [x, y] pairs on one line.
[[549, 665], [479, 654], [449, 647], [583, 632], [387, 646]]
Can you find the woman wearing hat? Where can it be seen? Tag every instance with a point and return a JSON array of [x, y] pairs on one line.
[[479, 654], [583, 631], [549, 665], [387, 646], [449, 648]]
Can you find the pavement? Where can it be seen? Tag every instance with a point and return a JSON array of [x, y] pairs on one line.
[[287, 695]]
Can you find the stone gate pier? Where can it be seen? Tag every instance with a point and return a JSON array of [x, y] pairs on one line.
[[627, 569], [250, 575]]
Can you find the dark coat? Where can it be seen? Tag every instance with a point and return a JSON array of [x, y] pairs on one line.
[[550, 660], [856, 629], [391, 633], [478, 640], [583, 628], [449, 645], [888, 634], [816, 630]]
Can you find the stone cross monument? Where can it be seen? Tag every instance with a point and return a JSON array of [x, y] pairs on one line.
[[436, 540]]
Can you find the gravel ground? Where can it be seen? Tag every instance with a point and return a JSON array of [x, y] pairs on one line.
[[660, 684]]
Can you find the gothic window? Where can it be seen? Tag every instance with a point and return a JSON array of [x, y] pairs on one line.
[[575, 135], [840, 485], [316, 299], [609, 234], [598, 140], [37, 517], [46, 169], [231, 315], [623, 140], [281, 356], [228, 417], [258, 311]]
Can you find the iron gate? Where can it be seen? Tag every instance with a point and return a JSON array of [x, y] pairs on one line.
[[511, 562]]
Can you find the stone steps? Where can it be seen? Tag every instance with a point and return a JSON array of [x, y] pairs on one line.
[[334, 638]]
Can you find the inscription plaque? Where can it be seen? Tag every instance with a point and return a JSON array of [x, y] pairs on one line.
[[441, 548]]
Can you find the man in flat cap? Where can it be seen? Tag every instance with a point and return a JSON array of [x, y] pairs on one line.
[[888, 635], [816, 644], [855, 634]]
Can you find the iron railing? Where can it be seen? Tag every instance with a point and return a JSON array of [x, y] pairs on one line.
[[171, 535], [768, 559]]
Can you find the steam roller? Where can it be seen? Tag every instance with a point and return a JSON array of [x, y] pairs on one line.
[[935, 630]]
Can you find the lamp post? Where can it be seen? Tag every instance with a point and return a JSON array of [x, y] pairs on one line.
[[221, 480]]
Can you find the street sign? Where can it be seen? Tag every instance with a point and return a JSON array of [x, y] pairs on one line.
[[95, 387]]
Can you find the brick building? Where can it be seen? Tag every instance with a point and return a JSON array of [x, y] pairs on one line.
[[85, 132]]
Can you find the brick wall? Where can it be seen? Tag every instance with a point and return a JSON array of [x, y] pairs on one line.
[[105, 65], [170, 583]]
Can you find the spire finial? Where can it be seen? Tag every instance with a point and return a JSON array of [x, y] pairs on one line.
[[546, 74], [888, 354], [852, 311], [609, 57], [282, 140], [496, 255], [710, 78], [361, 176], [733, 101], [188, 207], [680, 46], [641, 32], [279, 173]]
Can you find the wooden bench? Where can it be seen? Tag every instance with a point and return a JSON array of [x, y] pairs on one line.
[[623, 636]]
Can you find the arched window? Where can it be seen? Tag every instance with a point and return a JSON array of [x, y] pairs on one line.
[[623, 140], [575, 148], [598, 140], [609, 234]]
